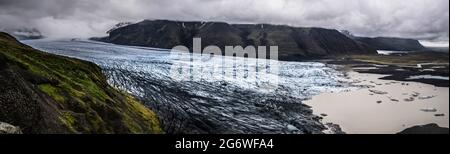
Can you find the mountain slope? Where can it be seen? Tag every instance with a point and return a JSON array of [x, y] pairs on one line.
[[25, 33], [294, 43], [45, 93], [389, 43]]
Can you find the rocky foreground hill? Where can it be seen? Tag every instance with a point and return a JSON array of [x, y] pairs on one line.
[[45, 93], [294, 43]]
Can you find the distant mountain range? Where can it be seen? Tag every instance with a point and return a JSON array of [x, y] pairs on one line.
[[389, 43], [25, 33], [294, 43]]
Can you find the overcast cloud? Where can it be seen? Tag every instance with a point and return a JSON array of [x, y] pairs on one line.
[[422, 19]]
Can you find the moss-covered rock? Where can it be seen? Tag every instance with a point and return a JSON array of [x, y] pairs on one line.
[[46, 93]]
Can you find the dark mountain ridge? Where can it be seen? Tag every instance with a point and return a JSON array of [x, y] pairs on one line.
[[392, 43], [294, 43]]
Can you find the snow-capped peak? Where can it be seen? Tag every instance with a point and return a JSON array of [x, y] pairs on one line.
[[119, 25]]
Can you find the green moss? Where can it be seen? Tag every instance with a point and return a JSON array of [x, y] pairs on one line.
[[130, 124], [81, 90], [68, 120], [150, 119], [52, 92], [96, 122]]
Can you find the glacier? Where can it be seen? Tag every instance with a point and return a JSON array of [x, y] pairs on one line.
[[249, 100]]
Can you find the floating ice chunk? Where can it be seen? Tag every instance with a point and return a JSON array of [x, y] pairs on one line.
[[437, 67], [429, 70], [386, 52], [426, 97], [415, 94], [429, 110], [380, 65], [428, 77], [378, 92], [394, 100], [439, 115], [365, 68], [409, 99]]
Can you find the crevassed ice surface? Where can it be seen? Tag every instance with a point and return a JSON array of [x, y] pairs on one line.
[[215, 94]]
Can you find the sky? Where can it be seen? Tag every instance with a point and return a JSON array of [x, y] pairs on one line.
[[419, 19]]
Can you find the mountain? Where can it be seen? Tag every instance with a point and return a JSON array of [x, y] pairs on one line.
[[425, 129], [46, 93], [391, 43], [348, 34], [25, 33], [294, 43], [438, 49], [119, 25]]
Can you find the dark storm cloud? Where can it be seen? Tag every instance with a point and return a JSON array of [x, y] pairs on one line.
[[424, 19]]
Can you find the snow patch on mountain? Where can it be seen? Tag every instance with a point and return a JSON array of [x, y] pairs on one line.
[[119, 25]]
